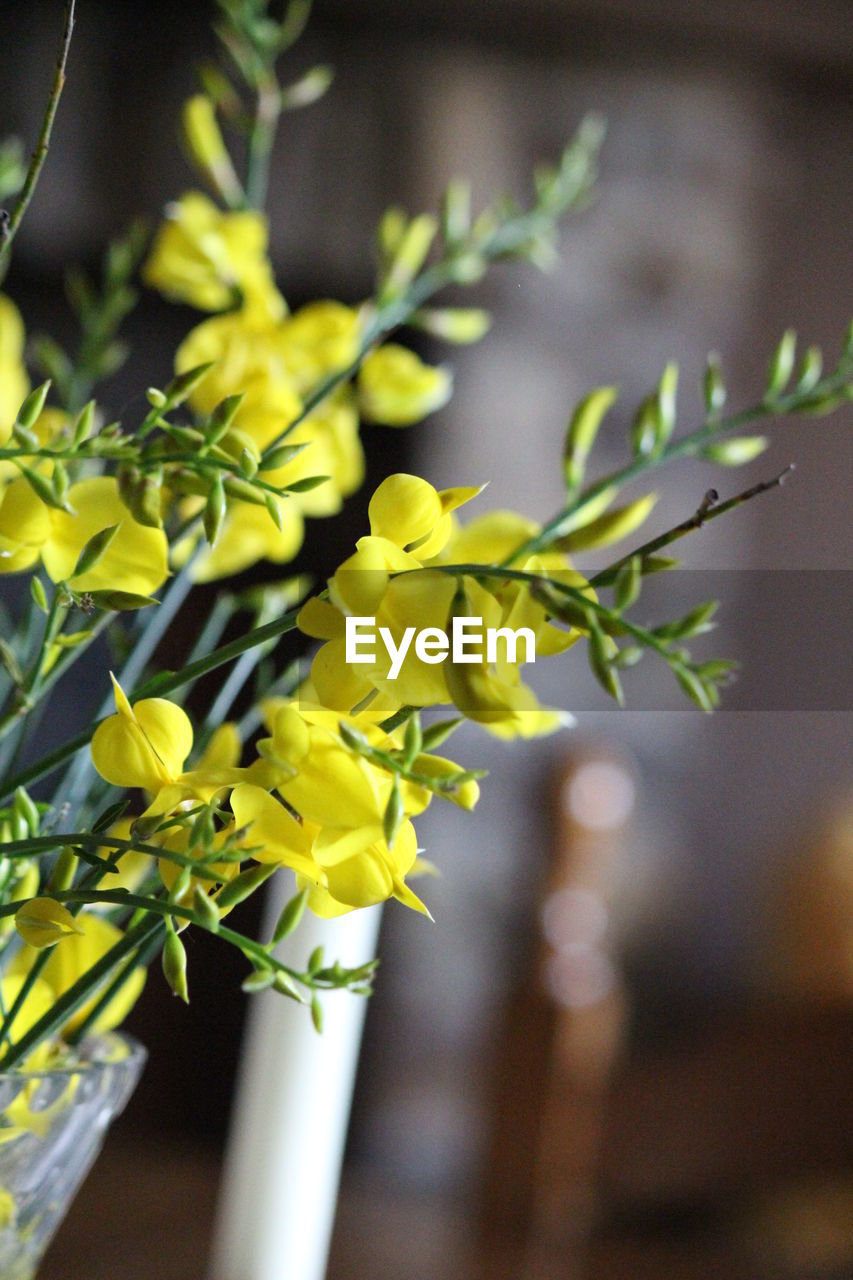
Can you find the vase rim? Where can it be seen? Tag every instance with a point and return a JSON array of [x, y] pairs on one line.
[[88, 1060]]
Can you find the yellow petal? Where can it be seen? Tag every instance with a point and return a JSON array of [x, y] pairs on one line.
[[76, 956], [43, 922], [136, 559], [404, 509], [279, 837]]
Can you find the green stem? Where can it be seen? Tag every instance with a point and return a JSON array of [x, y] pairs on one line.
[[75, 783], [37, 845], [686, 446], [261, 140], [506, 239], [141, 960], [68, 1004], [612, 616], [9, 230], [158, 686]]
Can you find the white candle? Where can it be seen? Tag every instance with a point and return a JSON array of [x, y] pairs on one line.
[[289, 1124]]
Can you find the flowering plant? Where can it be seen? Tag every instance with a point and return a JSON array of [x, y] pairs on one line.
[[117, 840]]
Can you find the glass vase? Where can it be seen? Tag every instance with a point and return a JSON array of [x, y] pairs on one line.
[[52, 1126]]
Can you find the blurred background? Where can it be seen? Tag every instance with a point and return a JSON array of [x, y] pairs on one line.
[[623, 1049]]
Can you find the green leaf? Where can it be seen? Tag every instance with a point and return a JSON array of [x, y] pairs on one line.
[[582, 430], [737, 451], [781, 364], [119, 601]]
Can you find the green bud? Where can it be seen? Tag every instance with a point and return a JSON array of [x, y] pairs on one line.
[[94, 549], [611, 527], [84, 424], [290, 917], [280, 456], [214, 510], [658, 564], [24, 437], [156, 398], [810, 370], [180, 885], [694, 623], [410, 254], [353, 738], [42, 488], [180, 388], [306, 484], [248, 464], [307, 90], [468, 268], [30, 410], [38, 594], [456, 213], [26, 807], [667, 388], [285, 985], [412, 739], [461, 325], [713, 386], [274, 510], [737, 451], [781, 364], [244, 885], [260, 980], [64, 869], [392, 819], [601, 655], [315, 961], [60, 482], [222, 418], [585, 513], [695, 688], [175, 966], [435, 734], [245, 491], [205, 909], [644, 428], [10, 662], [629, 579], [317, 1014]]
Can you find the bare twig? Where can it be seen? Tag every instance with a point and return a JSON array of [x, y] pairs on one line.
[[9, 225], [709, 508]]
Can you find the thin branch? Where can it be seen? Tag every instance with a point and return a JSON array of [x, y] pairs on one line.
[[10, 224], [709, 508]]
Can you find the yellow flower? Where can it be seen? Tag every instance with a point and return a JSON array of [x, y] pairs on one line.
[[14, 383], [320, 338], [396, 388], [210, 259], [68, 962], [146, 746], [134, 561], [43, 922], [341, 799], [413, 528], [177, 841]]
